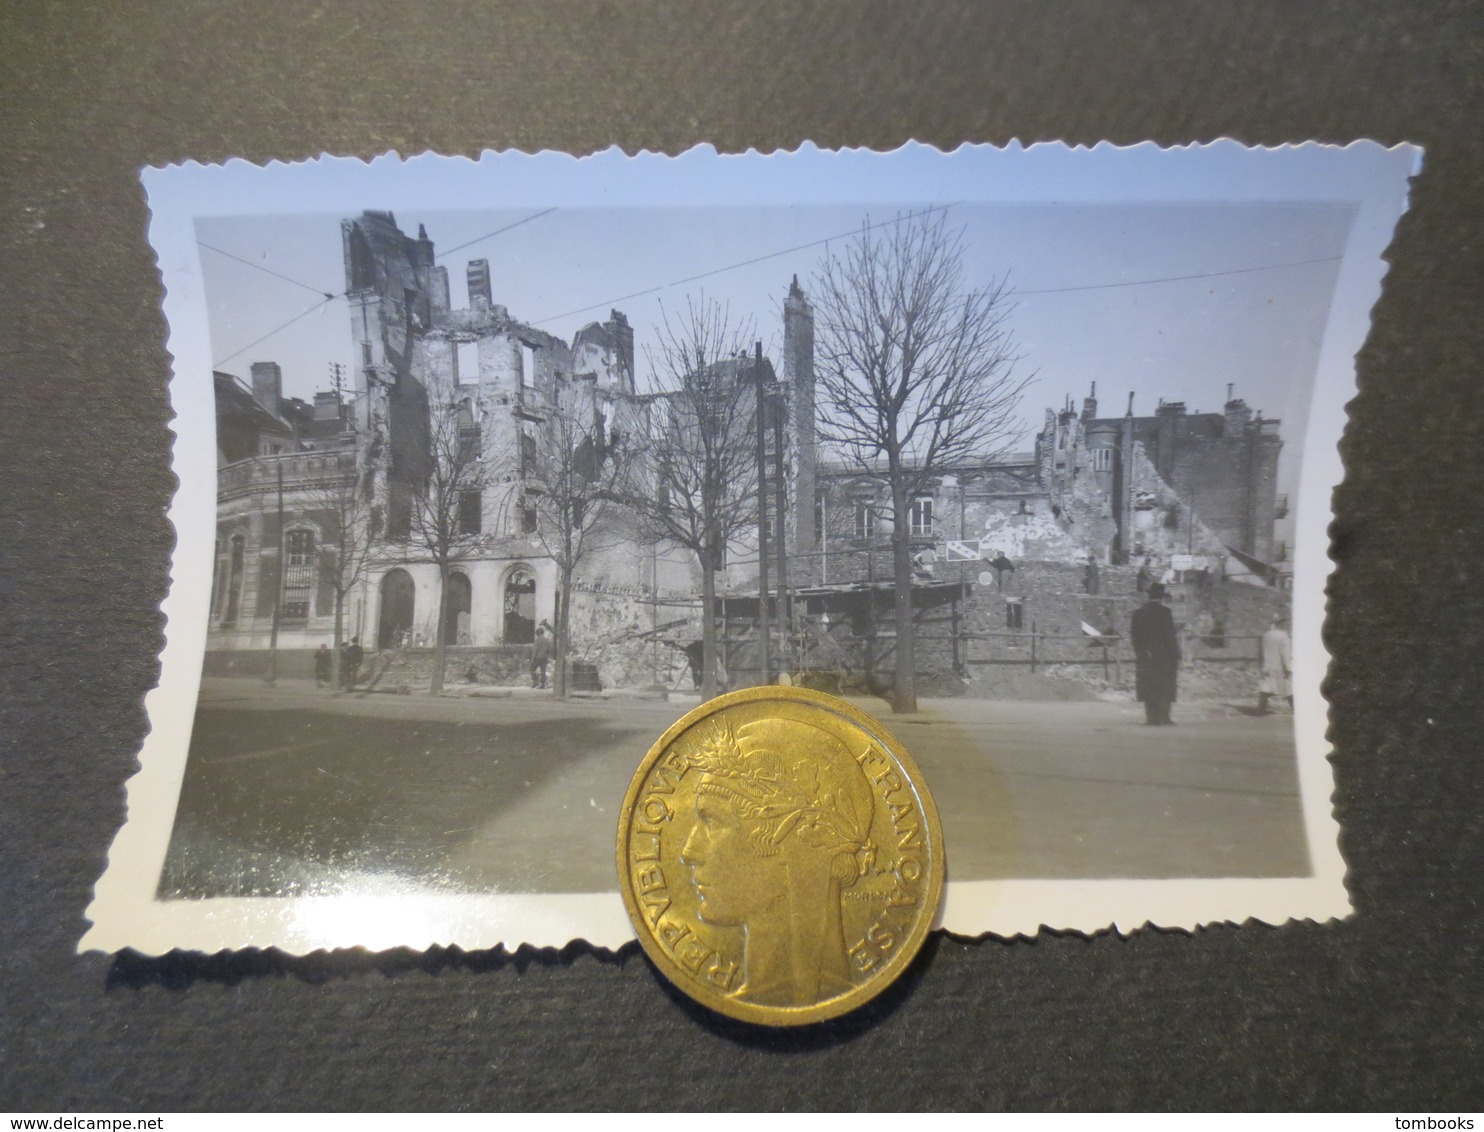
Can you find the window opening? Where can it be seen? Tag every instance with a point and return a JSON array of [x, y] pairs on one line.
[[520, 607], [299, 575], [466, 363], [527, 367], [922, 516], [471, 512], [398, 602]]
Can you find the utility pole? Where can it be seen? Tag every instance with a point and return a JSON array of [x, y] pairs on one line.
[[1190, 525], [762, 512], [785, 612], [278, 589]]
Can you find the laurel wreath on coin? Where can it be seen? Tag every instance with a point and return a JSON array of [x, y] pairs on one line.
[[779, 797]]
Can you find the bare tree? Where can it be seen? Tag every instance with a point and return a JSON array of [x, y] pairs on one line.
[[915, 373], [577, 486], [700, 448], [445, 519], [342, 500]]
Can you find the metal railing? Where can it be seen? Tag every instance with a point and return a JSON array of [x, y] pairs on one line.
[[300, 470]]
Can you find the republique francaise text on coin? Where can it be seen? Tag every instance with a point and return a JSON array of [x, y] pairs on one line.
[[780, 856]]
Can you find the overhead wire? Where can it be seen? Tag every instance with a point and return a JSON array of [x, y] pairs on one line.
[[496, 232], [258, 341], [265, 270], [744, 263], [1176, 278], [328, 296]]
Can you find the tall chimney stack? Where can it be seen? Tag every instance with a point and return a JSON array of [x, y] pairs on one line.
[[479, 284], [267, 385]]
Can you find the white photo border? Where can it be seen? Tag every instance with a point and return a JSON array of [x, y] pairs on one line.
[[126, 913]]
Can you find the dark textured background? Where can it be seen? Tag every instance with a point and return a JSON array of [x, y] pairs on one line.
[[1383, 1011]]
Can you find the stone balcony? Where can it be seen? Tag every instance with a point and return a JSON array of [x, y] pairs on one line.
[[301, 471]]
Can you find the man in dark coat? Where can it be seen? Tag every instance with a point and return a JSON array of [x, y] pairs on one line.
[[1156, 655], [1000, 564], [1090, 578], [351, 656]]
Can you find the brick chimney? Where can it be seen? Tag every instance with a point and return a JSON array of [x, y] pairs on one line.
[[1237, 416], [327, 405], [478, 274], [1168, 416], [267, 385]]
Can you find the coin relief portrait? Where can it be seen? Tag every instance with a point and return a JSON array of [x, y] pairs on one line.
[[782, 862], [783, 816]]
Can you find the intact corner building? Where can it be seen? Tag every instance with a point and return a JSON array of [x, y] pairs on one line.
[[280, 461]]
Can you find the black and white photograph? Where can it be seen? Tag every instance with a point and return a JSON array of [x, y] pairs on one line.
[[501, 490]]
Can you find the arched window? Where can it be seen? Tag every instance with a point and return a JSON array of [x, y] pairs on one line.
[[298, 575], [398, 600], [456, 627], [520, 607]]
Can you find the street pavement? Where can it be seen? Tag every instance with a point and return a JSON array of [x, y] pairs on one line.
[[292, 789]]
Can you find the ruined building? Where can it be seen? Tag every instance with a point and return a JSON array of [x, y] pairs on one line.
[[503, 386], [417, 357], [1192, 493], [1204, 483]]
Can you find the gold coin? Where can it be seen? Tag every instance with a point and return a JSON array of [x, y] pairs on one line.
[[780, 856]]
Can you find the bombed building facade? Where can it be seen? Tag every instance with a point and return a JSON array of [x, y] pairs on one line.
[[470, 402], [322, 507], [432, 379], [1098, 507]]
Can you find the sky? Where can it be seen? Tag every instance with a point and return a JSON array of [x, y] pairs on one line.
[[1168, 301]]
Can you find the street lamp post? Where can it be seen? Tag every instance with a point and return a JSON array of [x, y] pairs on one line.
[[272, 677]]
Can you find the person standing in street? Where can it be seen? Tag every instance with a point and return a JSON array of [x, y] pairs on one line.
[[1090, 578], [1001, 565], [1143, 578], [1156, 656], [1276, 652], [540, 656], [323, 662], [350, 663]]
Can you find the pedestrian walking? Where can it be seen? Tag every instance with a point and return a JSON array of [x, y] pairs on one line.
[[1275, 679], [324, 661], [695, 655], [1156, 656], [1143, 578]]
